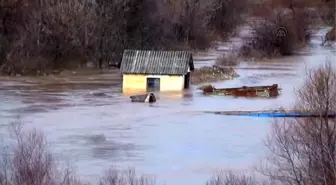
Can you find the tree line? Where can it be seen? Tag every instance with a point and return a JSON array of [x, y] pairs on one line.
[[38, 36]]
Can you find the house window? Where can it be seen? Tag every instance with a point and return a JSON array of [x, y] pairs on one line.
[[153, 84]]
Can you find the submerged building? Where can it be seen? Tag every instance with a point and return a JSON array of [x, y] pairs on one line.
[[145, 70]]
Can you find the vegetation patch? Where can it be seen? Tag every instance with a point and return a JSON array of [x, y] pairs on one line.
[[38, 37], [278, 33], [326, 10], [212, 74], [295, 18], [331, 35], [228, 59]]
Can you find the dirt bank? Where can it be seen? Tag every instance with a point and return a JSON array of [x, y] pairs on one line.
[[212, 74]]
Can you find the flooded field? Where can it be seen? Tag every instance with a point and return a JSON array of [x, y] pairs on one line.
[[89, 122]]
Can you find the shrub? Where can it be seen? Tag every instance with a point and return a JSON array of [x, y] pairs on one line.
[[327, 12], [212, 74], [265, 33], [229, 59], [225, 15], [327, 15], [330, 36], [27, 161], [302, 150], [322, 9], [231, 178], [128, 177], [186, 23]]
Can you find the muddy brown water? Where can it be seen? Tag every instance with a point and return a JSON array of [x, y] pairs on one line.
[[89, 122]]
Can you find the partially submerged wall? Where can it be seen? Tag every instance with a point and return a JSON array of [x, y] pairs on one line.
[[133, 83]]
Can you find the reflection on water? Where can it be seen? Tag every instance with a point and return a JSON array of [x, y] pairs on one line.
[[178, 95], [88, 119], [105, 148], [131, 92]]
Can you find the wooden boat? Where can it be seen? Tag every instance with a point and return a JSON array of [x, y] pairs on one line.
[[245, 91], [149, 97]]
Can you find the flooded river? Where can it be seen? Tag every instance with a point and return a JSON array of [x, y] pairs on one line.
[[89, 122]]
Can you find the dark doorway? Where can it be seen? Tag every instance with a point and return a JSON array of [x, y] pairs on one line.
[[153, 84], [187, 80]]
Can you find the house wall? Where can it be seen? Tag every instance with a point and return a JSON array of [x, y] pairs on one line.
[[138, 83]]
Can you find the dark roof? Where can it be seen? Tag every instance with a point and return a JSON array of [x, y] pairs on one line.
[[156, 62]]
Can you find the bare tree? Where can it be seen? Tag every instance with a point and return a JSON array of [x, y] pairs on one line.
[[128, 177], [233, 178], [303, 151], [287, 16], [225, 16], [27, 161], [38, 36]]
